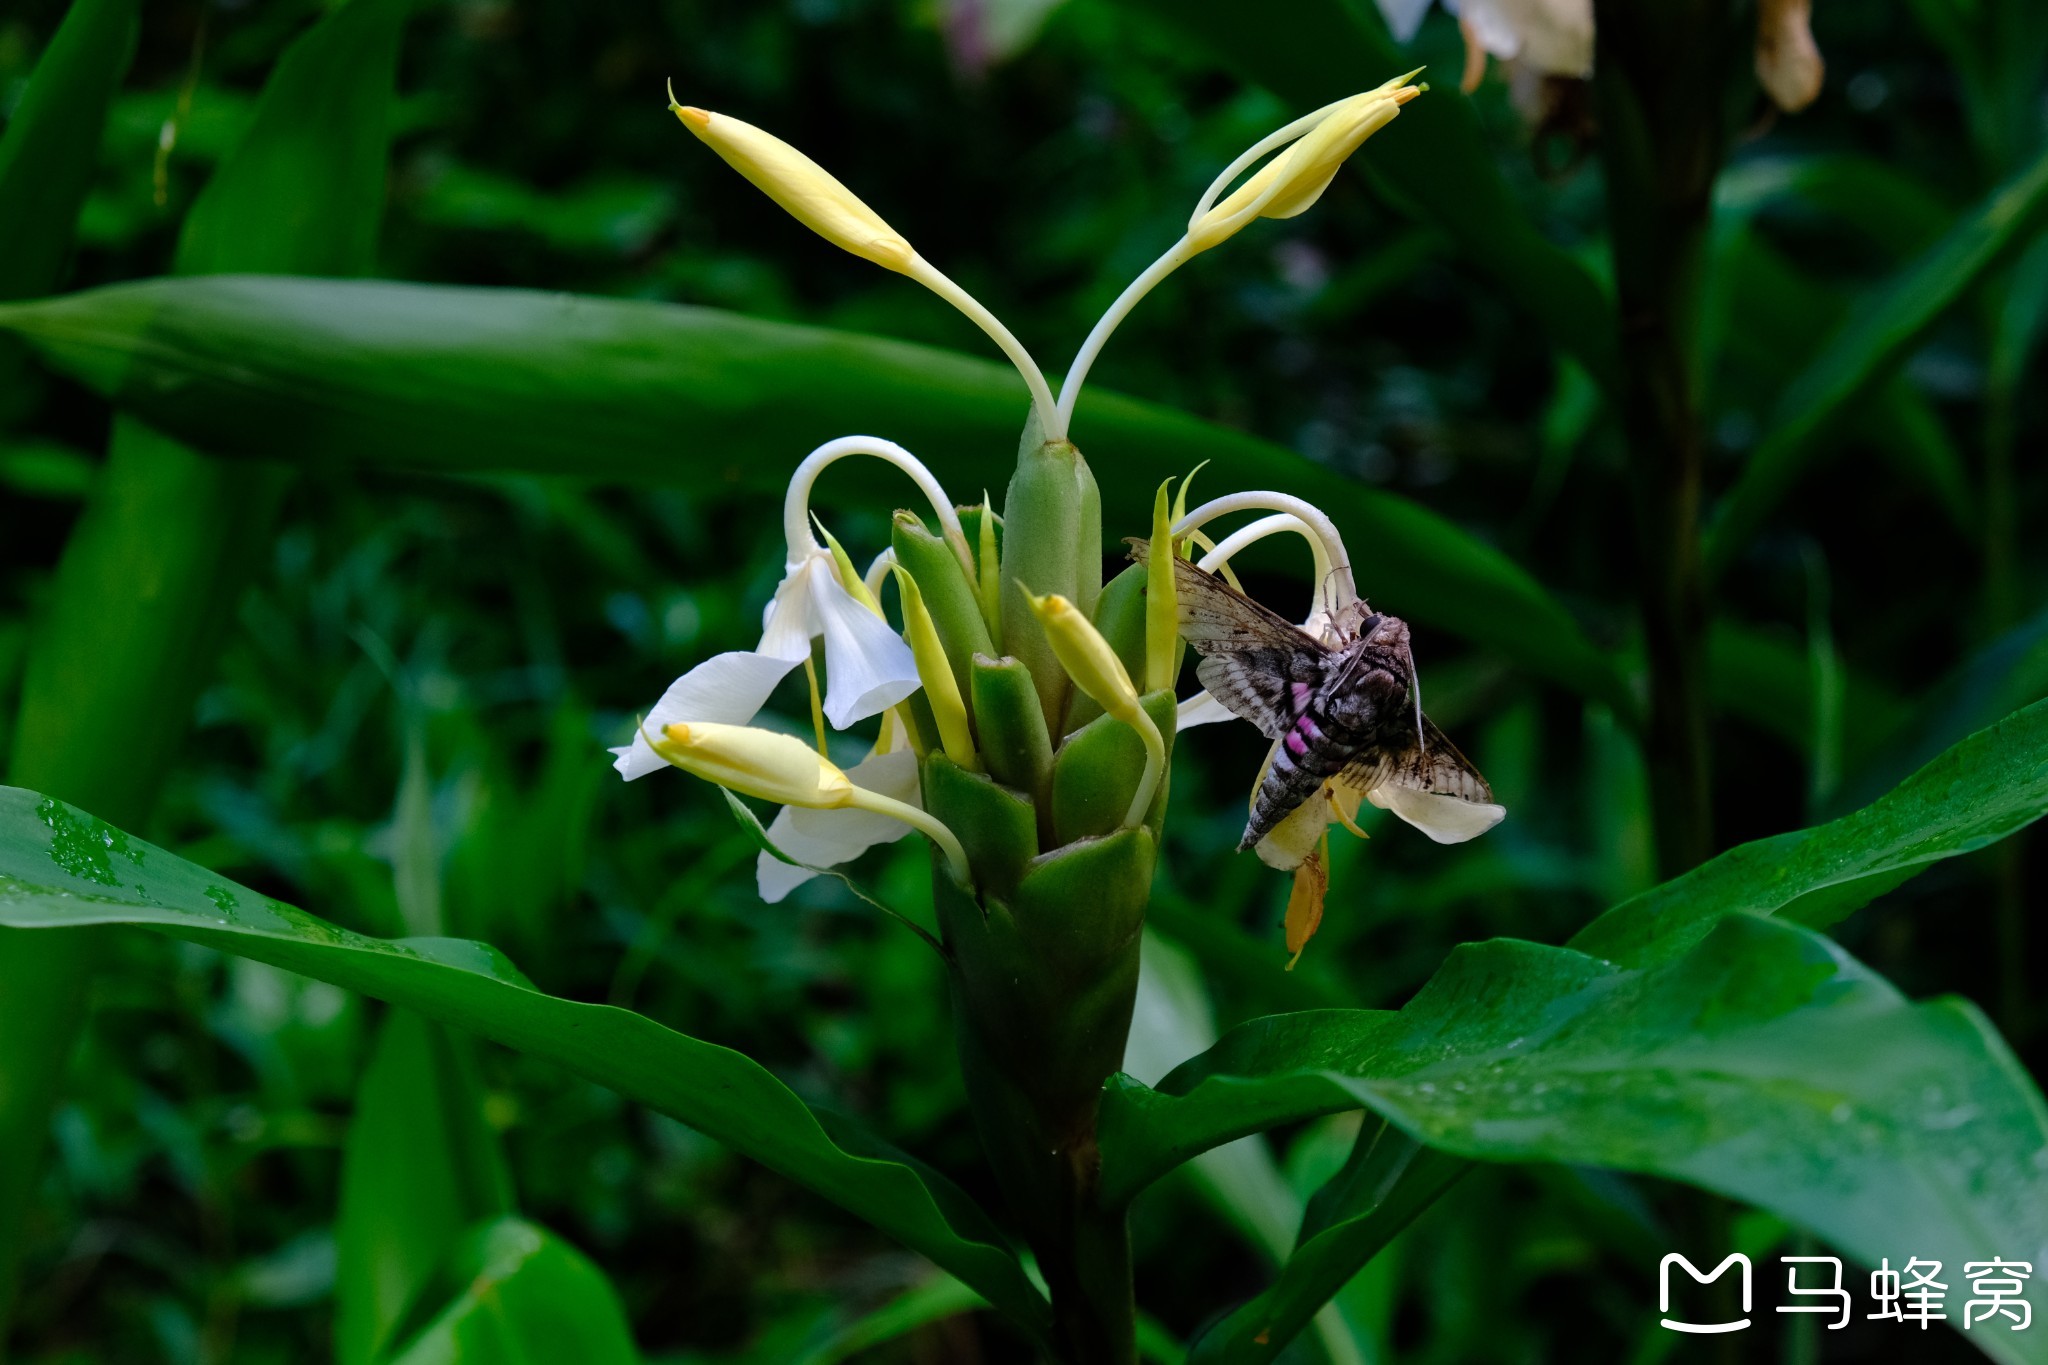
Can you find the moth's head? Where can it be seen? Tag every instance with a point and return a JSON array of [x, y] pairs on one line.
[[1384, 632], [1356, 621]]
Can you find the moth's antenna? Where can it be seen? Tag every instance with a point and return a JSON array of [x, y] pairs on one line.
[[1415, 686]]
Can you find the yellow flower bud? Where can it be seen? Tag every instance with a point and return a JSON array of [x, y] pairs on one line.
[[1096, 670], [1086, 656], [941, 688], [1292, 180], [1162, 608], [755, 762], [804, 188]]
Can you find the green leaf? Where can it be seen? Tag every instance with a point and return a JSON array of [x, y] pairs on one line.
[[2006, 675], [935, 1300], [1989, 786], [1174, 1019], [526, 1297], [1765, 1064], [1435, 156], [420, 1167], [457, 381], [1891, 321], [150, 578], [51, 148], [1389, 1178], [59, 867]]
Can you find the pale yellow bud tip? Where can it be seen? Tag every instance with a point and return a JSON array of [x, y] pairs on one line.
[[803, 187], [762, 763], [1086, 656]]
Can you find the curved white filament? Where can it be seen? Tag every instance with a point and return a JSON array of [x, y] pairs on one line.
[[1098, 337], [796, 503], [1335, 587], [936, 280]]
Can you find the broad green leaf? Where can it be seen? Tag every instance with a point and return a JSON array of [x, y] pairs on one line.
[[1435, 156], [1988, 786], [1174, 1019], [526, 1297], [59, 868], [419, 1169], [1891, 321], [457, 381], [51, 147], [151, 575], [2006, 675], [1389, 1178], [1765, 1064]]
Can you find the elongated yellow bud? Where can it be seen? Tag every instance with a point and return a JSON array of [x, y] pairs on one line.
[[1293, 179], [1086, 656], [1162, 606], [756, 762], [1096, 670], [781, 768], [805, 189], [941, 688]]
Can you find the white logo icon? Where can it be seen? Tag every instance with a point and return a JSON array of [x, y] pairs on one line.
[[1664, 1291]]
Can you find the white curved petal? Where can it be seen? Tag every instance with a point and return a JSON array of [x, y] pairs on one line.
[[790, 621], [868, 668], [1445, 819], [728, 689], [1200, 709], [826, 838]]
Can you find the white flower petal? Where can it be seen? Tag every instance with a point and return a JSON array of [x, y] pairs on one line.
[[728, 689], [790, 621], [826, 838], [868, 668], [1200, 709], [1445, 819]]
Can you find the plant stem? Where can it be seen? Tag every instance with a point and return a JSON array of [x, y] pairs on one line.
[[1662, 79]]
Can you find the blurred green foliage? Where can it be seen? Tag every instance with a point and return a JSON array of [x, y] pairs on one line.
[[411, 707]]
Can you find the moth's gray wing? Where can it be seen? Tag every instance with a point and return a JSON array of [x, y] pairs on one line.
[[1217, 619], [1436, 789], [1260, 697], [1254, 661], [1437, 768]]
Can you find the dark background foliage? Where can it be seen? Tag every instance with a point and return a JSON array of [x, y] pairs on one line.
[[416, 697]]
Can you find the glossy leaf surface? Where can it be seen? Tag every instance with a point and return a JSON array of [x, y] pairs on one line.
[[1765, 1064], [59, 868], [464, 381], [1987, 787]]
